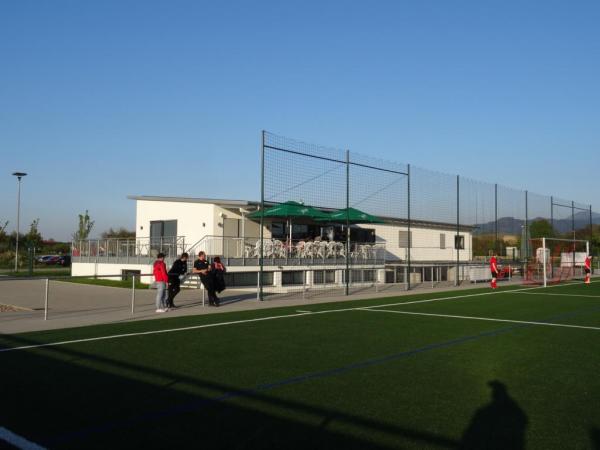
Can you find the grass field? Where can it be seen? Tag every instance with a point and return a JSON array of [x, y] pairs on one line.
[[514, 369]]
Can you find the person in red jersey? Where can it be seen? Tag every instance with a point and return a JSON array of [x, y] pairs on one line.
[[588, 268], [494, 270]]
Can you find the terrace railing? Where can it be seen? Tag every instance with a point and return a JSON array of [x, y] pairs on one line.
[[129, 251], [246, 251]]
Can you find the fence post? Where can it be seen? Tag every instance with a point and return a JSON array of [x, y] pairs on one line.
[[347, 222], [46, 299], [457, 239], [303, 284], [133, 294], [409, 244], [262, 222], [526, 237]]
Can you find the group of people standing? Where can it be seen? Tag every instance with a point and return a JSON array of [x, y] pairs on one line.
[[168, 283]]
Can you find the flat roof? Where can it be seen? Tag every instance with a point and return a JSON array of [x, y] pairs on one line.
[[241, 203]]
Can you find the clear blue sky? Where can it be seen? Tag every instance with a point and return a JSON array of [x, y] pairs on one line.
[[103, 99]]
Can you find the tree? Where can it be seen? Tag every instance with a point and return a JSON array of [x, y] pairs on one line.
[[541, 228], [85, 227], [34, 238], [121, 233]]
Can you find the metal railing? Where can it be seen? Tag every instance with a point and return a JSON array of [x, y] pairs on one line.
[[139, 250], [297, 251]]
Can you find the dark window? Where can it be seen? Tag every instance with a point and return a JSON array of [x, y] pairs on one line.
[[247, 278], [278, 229], [459, 242], [324, 277], [126, 274], [366, 235], [442, 241], [292, 277]]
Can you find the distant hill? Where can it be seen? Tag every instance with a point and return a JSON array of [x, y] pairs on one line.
[[511, 225]]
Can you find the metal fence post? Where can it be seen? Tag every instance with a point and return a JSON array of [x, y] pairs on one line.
[[133, 294], [409, 243], [46, 299], [496, 246], [457, 239], [262, 224], [347, 222]]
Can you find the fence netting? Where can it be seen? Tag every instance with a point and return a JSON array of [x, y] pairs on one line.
[[419, 227]]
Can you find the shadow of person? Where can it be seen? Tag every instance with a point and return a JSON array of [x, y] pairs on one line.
[[595, 436], [501, 424]]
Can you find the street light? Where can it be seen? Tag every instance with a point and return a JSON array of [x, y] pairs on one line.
[[19, 175]]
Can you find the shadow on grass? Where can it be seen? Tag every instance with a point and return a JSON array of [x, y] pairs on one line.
[[64, 398], [501, 424]]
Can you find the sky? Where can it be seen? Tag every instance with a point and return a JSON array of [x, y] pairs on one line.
[[104, 99]]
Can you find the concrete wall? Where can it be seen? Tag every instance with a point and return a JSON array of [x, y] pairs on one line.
[[194, 220], [93, 269], [425, 243]]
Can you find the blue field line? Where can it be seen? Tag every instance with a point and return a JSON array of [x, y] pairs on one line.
[[198, 404]]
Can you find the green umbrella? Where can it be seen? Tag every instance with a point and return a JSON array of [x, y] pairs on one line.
[[290, 210], [351, 215]]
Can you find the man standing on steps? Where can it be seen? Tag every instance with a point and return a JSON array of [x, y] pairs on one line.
[[588, 268], [494, 270], [178, 270]]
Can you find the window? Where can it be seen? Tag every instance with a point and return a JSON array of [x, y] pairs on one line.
[[403, 239], [278, 229], [324, 277], [292, 277], [459, 242], [442, 241], [163, 236], [363, 235]]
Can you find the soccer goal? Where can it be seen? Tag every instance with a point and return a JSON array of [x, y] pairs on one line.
[[553, 260]]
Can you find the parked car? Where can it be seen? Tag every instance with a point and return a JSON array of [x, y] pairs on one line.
[[51, 260], [65, 261], [43, 258]]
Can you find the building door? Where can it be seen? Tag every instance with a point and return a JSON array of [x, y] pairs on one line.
[[163, 237], [231, 243]]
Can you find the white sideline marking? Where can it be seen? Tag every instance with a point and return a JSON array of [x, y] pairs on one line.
[[302, 311], [490, 319], [261, 319], [18, 441], [563, 295]]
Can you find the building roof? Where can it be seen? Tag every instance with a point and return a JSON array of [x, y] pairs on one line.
[[228, 203]]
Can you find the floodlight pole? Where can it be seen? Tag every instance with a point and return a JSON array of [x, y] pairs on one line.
[[19, 176], [408, 240]]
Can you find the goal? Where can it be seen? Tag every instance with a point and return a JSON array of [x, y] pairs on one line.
[[553, 260]]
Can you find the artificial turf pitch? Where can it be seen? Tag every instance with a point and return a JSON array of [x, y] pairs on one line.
[[361, 374]]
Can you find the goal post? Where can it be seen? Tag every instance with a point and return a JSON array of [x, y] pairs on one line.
[[554, 260]]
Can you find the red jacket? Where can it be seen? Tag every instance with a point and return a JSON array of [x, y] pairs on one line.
[[160, 272], [588, 262], [493, 264]]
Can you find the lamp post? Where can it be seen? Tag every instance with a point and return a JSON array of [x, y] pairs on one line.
[[19, 175]]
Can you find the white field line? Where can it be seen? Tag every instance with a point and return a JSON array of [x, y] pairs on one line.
[[489, 319], [18, 441], [563, 295], [259, 319]]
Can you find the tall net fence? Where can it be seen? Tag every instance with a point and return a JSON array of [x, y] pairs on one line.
[[391, 224]]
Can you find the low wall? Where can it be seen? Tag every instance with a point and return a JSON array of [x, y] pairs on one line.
[[97, 269]]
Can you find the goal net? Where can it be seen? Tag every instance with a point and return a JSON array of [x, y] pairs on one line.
[[552, 260]]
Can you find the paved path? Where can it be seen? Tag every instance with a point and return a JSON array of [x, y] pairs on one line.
[[73, 305]]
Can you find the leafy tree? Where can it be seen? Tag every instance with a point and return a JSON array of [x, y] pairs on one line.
[[541, 228], [121, 233], [85, 227], [34, 237]]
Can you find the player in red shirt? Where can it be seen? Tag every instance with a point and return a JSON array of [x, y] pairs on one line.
[[588, 268], [494, 270]]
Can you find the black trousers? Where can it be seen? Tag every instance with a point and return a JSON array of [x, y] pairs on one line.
[[174, 288]]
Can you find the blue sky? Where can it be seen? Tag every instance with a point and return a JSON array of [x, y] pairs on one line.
[[103, 99]]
